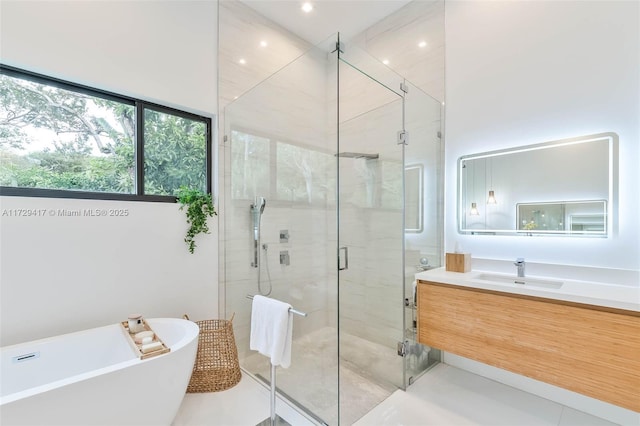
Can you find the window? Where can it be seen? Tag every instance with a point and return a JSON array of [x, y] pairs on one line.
[[59, 139], [282, 171], [304, 175], [174, 153], [301, 174], [250, 165]]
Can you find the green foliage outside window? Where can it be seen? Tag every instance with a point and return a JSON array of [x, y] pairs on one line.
[[174, 153]]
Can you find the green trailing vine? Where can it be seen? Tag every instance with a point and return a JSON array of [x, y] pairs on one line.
[[199, 207]]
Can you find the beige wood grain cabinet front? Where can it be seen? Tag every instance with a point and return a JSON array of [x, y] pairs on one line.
[[588, 349]]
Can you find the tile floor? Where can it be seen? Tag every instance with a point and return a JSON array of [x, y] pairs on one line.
[[447, 395], [313, 375], [245, 404], [443, 396]]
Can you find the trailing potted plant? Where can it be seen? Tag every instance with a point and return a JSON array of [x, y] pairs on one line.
[[199, 207]]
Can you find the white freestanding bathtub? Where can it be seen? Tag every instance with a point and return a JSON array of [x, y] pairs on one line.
[[93, 377]]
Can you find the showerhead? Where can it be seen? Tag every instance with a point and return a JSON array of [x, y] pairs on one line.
[[358, 155], [258, 204]]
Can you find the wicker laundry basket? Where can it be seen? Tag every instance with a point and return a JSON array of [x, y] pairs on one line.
[[216, 367]]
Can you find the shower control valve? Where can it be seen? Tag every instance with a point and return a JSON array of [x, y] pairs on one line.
[[284, 258]]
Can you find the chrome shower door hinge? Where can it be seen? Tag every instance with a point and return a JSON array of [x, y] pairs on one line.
[[404, 87], [402, 348], [403, 137]]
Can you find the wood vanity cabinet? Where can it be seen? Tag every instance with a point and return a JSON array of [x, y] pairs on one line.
[[588, 349]]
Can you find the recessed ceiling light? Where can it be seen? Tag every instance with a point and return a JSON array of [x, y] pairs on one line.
[[264, 43], [385, 61], [242, 61], [422, 44], [307, 7]]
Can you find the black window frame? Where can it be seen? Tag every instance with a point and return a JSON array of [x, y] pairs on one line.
[[139, 105]]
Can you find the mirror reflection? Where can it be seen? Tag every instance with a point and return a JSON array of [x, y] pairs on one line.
[[587, 217], [413, 176], [562, 187]]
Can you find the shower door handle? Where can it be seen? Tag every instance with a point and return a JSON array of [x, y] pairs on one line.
[[343, 260]]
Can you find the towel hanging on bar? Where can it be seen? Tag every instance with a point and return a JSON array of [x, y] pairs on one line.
[[271, 329]]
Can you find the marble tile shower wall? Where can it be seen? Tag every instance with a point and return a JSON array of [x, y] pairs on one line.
[[289, 106], [303, 283], [241, 30], [396, 38], [358, 92]]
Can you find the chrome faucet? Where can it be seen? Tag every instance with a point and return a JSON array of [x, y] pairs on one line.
[[520, 264]]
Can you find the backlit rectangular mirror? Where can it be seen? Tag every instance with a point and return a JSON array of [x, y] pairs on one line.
[[563, 187]]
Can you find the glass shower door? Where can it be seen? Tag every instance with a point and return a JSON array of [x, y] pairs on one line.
[[370, 240], [277, 147], [423, 215]]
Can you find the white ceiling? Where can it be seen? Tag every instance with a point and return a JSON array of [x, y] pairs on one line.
[[349, 17]]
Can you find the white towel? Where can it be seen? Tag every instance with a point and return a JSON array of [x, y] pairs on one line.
[[271, 329]]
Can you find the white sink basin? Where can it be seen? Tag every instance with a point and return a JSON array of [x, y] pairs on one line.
[[525, 281]]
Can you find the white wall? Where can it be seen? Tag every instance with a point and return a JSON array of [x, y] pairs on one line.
[[527, 72], [61, 274], [520, 73]]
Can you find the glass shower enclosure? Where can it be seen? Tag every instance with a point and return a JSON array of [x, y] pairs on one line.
[[331, 187]]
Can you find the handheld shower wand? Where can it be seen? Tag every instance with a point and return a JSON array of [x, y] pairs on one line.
[[257, 208]]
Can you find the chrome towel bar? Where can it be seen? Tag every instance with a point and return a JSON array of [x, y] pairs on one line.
[[293, 311]]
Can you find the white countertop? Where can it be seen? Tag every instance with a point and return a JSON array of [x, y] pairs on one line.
[[591, 293]]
